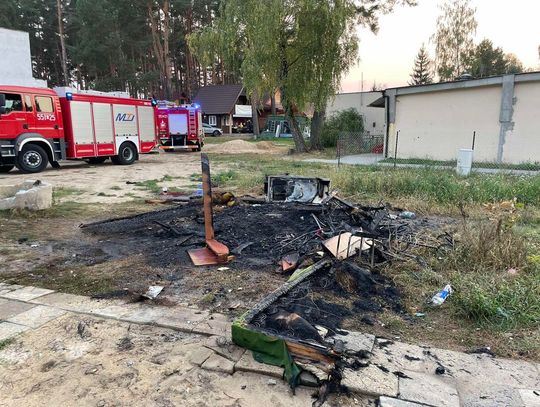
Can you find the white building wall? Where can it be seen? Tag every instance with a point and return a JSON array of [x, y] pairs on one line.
[[15, 59], [522, 144], [435, 125], [374, 118]]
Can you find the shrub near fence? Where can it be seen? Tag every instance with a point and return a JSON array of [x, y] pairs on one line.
[[351, 143]]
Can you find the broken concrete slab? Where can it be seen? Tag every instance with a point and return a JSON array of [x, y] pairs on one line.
[[27, 293], [33, 195], [530, 397], [371, 381], [217, 363], [428, 389], [248, 364], [222, 346], [199, 356], [357, 342], [392, 402], [36, 316], [9, 330], [9, 309]]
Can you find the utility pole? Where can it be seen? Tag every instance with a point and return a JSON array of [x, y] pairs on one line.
[[62, 42]]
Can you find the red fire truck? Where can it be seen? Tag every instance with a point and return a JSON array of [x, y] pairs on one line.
[[40, 126], [179, 127]]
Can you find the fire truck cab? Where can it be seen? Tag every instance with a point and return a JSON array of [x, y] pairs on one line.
[[40, 126]]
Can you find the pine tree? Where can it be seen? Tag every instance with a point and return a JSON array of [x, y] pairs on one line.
[[422, 73]]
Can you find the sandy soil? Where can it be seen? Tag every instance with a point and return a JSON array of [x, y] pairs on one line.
[[107, 182], [243, 147], [120, 364]]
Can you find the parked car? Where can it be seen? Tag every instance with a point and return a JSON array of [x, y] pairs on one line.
[[211, 130]]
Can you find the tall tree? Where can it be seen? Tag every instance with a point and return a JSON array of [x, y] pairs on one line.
[[62, 38], [299, 47], [422, 70], [456, 27], [487, 60]]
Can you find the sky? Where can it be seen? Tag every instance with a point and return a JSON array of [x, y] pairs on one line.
[[387, 57]]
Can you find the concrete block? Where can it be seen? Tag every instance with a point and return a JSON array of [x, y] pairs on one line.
[[199, 356], [28, 195], [357, 342], [370, 381], [9, 330], [248, 364], [212, 327], [428, 389], [27, 293], [392, 402], [216, 363], [37, 316], [474, 394], [530, 398], [223, 347], [9, 309]]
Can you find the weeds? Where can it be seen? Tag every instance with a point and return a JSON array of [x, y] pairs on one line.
[[5, 343]]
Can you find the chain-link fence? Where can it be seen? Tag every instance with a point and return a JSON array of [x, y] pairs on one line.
[[358, 144], [405, 151]]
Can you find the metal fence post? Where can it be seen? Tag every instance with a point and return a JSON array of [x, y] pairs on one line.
[[473, 139], [395, 149]]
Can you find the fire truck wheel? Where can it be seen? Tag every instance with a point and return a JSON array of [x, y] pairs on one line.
[[32, 158], [96, 160], [6, 168], [199, 147], [127, 154]]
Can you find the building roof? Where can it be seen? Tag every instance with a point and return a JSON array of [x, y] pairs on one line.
[[218, 99], [463, 84]]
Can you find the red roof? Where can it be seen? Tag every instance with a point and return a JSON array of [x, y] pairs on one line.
[[25, 89]]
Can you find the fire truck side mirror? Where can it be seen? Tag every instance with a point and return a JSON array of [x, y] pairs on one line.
[[2, 103]]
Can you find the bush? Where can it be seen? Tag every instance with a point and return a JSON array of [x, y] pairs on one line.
[[349, 120]]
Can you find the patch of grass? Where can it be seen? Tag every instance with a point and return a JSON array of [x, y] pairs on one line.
[[225, 177], [4, 343], [116, 188], [104, 194], [60, 193], [452, 163], [425, 185], [150, 185]]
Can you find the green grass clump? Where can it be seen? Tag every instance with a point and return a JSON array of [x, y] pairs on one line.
[[5, 343]]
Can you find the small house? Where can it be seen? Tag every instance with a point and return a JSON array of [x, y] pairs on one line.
[[225, 106]]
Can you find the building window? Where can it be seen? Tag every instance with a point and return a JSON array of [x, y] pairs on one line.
[[13, 103], [28, 103], [44, 104], [212, 121], [374, 124]]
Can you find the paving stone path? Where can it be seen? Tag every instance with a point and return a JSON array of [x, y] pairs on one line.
[[398, 374]]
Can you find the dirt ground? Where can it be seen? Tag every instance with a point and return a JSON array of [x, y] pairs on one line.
[[118, 364], [108, 183]]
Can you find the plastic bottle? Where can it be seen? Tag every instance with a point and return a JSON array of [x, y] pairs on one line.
[[441, 296], [407, 215]]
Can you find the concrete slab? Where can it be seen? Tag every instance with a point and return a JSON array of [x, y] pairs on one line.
[[27, 293], [392, 402], [399, 356], [428, 389], [6, 288], [216, 363], [9, 330], [356, 342], [144, 315], [72, 302], [9, 309], [37, 316], [530, 398], [488, 394], [223, 347], [112, 311], [371, 381], [248, 364], [212, 327], [199, 356], [182, 319]]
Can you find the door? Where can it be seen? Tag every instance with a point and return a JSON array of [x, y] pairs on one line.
[[14, 121], [46, 122]]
